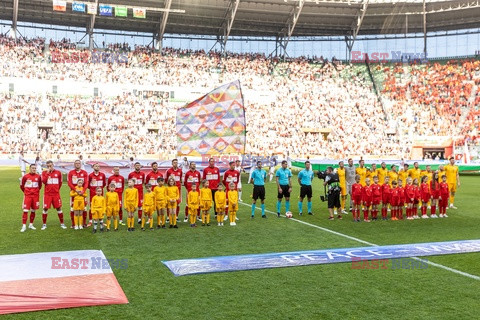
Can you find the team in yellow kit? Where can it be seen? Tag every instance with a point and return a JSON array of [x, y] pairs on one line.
[[161, 202], [113, 207], [193, 203], [205, 203], [172, 197], [232, 196], [220, 204], [78, 196], [149, 204], [98, 207], [130, 200]]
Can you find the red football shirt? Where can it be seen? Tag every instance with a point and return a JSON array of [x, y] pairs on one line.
[[192, 177], [230, 176], [52, 181], [152, 177], [138, 179], [177, 175], [31, 185], [119, 182], [212, 175], [74, 176], [95, 181]]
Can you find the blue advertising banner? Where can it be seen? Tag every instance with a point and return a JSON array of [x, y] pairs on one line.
[[78, 7], [106, 10], [304, 258]]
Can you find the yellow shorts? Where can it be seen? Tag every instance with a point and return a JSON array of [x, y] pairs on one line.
[[221, 209], [112, 211], [343, 188], [192, 210], [148, 209], [97, 214], [205, 205], [452, 186], [171, 205], [233, 207], [161, 205], [79, 205], [131, 207]]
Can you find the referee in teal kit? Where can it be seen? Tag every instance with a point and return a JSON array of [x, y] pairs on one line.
[[258, 178]]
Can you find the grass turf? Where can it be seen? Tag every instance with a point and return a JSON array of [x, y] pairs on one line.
[[313, 292]]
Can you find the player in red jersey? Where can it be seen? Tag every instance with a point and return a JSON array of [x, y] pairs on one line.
[[138, 178], [30, 185], [229, 176], [444, 195], [416, 199], [153, 175], [376, 197], [386, 194], [401, 201], [72, 178], [95, 179], [176, 172], [119, 182], [356, 198], [435, 191], [395, 199], [52, 179], [367, 198], [212, 175], [192, 176], [409, 198], [425, 195]]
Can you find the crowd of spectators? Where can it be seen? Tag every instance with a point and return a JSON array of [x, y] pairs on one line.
[[324, 109]]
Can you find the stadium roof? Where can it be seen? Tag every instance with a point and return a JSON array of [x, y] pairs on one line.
[[264, 17]]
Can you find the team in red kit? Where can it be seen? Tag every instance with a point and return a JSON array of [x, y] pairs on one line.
[[405, 191]]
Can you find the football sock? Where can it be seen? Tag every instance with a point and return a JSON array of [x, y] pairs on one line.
[[108, 223], [287, 205], [140, 213], [60, 217], [309, 206], [75, 220], [279, 205], [115, 223], [434, 209], [263, 209], [143, 222], [253, 209], [151, 222], [84, 216], [44, 218], [32, 217], [24, 217], [300, 204]]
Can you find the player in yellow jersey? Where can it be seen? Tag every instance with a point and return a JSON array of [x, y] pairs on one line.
[[453, 180], [441, 173], [392, 174], [173, 195], [220, 204], [343, 186], [414, 172], [131, 204], [78, 204], [382, 172], [193, 203], [98, 207], [205, 202], [160, 202], [232, 203], [403, 174], [113, 206], [148, 206], [362, 172]]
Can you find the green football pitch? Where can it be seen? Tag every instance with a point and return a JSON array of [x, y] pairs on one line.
[[329, 291]]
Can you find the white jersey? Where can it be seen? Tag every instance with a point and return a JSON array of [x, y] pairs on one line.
[[131, 165], [38, 164], [239, 169], [21, 162], [185, 167]]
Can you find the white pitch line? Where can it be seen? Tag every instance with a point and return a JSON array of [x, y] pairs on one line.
[[441, 266]]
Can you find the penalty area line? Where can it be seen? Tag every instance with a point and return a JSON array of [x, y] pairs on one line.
[[441, 266]]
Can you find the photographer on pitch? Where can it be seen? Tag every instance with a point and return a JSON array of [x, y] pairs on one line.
[[332, 182]]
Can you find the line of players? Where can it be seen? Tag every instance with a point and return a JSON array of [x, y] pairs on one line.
[[96, 181], [407, 188]]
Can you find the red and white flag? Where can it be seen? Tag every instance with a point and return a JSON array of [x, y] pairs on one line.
[[56, 280]]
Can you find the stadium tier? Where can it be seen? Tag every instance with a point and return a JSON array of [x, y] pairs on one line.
[[323, 110]]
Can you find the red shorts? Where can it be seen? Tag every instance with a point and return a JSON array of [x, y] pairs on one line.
[[49, 201], [140, 198], [386, 199], [395, 202], [376, 201], [357, 200], [416, 201], [426, 198], [31, 203], [444, 202], [435, 194], [409, 200]]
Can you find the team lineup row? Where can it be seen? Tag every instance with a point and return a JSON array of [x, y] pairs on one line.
[[159, 197]]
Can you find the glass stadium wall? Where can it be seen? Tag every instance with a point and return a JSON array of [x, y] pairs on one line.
[[445, 44]]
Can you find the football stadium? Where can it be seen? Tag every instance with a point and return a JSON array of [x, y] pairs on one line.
[[239, 159]]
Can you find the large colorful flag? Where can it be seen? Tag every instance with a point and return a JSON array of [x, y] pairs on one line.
[[139, 13], [121, 11], [55, 280], [213, 124], [59, 5]]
